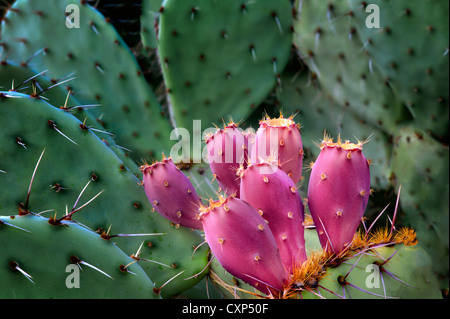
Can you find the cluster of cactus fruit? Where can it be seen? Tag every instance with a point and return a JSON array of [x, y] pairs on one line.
[[256, 227], [91, 90]]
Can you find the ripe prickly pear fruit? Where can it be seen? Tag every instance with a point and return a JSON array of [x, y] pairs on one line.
[[273, 194], [338, 192], [243, 244], [227, 151], [171, 193], [279, 139]]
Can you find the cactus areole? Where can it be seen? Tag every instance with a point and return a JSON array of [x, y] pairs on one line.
[[338, 192]]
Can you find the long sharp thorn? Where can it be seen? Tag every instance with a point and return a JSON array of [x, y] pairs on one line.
[[28, 276], [389, 258], [328, 237], [128, 265], [330, 291], [366, 291], [138, 258], [155, 262], [95, 268], [34, 55], [31, 182], [45, 211], [171, 279], [315, 293], [384, 287], [373, 223], [123, 148], [354, 265], [57, 130], [87, 203], [101, 131], [67, 100], [138, 235], [138, 253], [396, 278], [395, 211], [84, 106], [15, 266], [57, 84], [197, 247], [79, 196], [254, 278], [14, 226], [277, 20], [207, 265], [36, 75]]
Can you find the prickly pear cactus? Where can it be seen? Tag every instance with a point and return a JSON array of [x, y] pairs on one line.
[[81, 125]]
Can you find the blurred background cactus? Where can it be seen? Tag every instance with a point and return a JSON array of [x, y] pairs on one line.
[[92, 89]]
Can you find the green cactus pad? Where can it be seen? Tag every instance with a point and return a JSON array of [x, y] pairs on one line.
[[105, 70], [17, 78], [411, 48], [222, 58], [420, 167], [40, 260], [148, 21], [29, 126], [325, 33]]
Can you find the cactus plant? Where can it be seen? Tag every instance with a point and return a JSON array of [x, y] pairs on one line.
[[79, 118]]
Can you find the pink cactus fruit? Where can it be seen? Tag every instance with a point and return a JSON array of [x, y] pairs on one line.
[[273, 194], [279, 139], [227, 149], [338, 192], [171, 193], [243, 243]]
